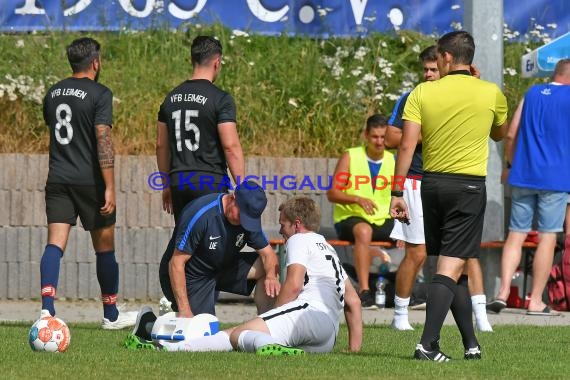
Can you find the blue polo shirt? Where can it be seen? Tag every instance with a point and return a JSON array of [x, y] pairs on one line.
[[204, 232], [541, 155], [417, 165]]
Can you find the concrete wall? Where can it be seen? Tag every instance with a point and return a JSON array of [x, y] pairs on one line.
[[143, 229]]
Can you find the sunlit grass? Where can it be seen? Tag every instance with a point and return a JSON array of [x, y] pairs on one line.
[[511, 352]]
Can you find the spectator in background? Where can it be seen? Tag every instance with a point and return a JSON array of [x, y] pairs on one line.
[[361, 195], [537, 146], [413, 232], [455, 116]]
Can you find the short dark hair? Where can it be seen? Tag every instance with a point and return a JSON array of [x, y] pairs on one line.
[[303, 208], [562, 68], [81, 52], [204, 48], [459, 44], [429, 54], [376, 121]]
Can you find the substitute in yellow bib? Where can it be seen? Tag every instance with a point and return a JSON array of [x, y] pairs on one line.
[[361, 193]]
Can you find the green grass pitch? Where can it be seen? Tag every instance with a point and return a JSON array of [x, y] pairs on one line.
[[511, 352]]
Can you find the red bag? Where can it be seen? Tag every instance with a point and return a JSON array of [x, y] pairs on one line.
[[558, 284]]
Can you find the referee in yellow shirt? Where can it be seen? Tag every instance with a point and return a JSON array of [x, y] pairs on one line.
[[455, 115]]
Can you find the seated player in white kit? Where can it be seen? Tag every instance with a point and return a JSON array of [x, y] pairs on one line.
[[307, 310]]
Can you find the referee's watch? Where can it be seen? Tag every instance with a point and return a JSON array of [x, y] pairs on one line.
[[396, 193], [509, 165]]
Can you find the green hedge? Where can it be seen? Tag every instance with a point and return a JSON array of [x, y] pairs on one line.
[[295, 96]]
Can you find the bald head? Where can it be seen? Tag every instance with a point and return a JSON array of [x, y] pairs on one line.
[[562, 71]]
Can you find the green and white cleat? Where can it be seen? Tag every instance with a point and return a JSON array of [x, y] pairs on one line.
[[277, 349], [133, 342]]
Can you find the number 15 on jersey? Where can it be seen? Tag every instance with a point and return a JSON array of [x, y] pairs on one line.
[[188, 126]]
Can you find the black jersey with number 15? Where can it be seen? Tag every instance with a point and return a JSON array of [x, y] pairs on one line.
[[72, 108], [192, 112]]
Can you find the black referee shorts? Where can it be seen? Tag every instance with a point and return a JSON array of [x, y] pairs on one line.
[[65, 202], [454, 210]]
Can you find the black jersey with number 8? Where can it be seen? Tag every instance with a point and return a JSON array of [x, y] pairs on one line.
[[72, 108]]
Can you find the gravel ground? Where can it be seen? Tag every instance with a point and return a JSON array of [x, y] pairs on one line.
[[236, 312]]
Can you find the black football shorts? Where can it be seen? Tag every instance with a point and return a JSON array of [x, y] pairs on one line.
[[65, 202], [454, 209]]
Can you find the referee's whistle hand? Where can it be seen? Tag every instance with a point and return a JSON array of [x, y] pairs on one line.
[[399, 209]]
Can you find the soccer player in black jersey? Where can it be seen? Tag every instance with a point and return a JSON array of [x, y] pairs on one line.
[[79, 113], [197, 137]]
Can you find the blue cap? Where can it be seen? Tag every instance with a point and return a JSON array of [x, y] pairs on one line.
[[251, 201]]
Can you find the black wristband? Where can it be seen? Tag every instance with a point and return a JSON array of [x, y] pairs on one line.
[[509, 165], [395, 193]]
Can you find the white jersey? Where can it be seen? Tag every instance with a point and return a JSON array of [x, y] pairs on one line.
[[325, 277]]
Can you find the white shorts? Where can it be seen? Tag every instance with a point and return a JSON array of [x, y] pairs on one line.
[[298, 324], [413, 232]]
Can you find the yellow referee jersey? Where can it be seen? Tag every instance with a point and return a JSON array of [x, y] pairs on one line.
[[456, 114]]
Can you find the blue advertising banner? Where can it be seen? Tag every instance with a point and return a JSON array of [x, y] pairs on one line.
[[307, 17], [542, 61]]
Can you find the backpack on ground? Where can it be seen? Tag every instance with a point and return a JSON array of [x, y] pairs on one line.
[[558, 284]]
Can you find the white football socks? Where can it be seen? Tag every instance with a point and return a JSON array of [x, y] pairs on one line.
[[250, 340], [217, 342], [479, 303], [400, 321]]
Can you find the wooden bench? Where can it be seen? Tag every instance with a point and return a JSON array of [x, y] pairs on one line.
[[528, 249], [338, 243]]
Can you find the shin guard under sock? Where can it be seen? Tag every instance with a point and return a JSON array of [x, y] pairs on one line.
[[462, 311], [49, 275], [441, 292], [108, 277]]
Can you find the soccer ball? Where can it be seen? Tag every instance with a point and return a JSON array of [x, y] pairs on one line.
[[49, 334]]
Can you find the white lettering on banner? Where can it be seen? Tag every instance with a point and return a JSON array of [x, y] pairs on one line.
[[255, 6], [77, 8], [358, 7], [182, 14], [30, 8], [265, 14], [131, 10]]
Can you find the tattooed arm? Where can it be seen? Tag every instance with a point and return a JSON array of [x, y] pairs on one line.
[[106, 155]]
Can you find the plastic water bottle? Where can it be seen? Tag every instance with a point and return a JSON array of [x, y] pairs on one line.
[[380, 296]]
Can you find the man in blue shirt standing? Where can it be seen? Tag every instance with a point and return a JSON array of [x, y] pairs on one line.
[[536, 145], [206, 256]]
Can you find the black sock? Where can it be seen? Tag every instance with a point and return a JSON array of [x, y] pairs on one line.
[[462, 310], [441, 292]]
